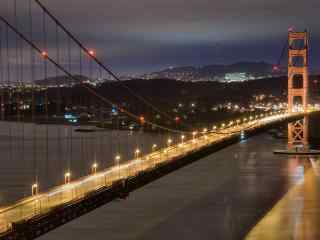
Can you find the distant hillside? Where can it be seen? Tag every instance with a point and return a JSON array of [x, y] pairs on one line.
[[213, 72], [60, 80]]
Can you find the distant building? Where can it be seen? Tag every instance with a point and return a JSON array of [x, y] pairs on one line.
[[236, 77]]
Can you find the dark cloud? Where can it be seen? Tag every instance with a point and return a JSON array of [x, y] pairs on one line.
[[144, 35]]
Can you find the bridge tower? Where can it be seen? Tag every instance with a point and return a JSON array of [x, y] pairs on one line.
[[298, 87], [298, 70]]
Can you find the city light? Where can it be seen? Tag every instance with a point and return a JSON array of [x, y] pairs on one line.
[[142, 120], [169, 142]]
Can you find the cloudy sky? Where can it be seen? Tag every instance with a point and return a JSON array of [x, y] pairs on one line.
[[146, 35]]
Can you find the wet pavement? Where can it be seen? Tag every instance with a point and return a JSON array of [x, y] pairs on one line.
[[296, 215]]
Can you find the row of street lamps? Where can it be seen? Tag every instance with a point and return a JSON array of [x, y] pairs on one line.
[[137, 152]]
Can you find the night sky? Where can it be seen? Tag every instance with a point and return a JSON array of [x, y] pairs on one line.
[[147, 35]]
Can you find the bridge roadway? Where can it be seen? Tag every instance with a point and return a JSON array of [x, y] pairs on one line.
[[44, 202]]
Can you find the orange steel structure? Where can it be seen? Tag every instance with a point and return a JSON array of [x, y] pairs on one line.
[[298, 86]]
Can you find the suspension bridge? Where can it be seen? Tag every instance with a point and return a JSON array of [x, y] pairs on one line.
[[26, 56]]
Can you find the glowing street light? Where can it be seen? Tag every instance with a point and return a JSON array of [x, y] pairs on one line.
[[154, 147], [223, 125], [137, 152], [214, 128], [67, 177], [169, 142], [117, 161], [34, 189], [94, 168], [182, 138], [194, 135], [117, 158]]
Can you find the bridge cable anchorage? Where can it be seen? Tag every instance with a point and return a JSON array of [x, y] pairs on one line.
[[89, 89], [103, 66]]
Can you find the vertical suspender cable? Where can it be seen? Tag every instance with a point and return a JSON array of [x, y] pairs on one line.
[[1, 75], [58, 97], [17, 80], [33, 100], [70, 127], [46, 91], [9, 91]]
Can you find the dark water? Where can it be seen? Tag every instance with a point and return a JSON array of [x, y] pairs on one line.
[[219, 197]]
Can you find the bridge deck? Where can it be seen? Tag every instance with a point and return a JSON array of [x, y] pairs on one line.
[[44, 202]]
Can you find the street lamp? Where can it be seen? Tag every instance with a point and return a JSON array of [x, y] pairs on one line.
[[136, 153], [182, 138], [154, 147], [117, 161], [67, 177], [169, 142], [94, 168], [194, 136], [34, 189]]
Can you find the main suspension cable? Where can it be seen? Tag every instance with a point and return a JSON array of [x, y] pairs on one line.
[[102, 65], [88, 88]]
